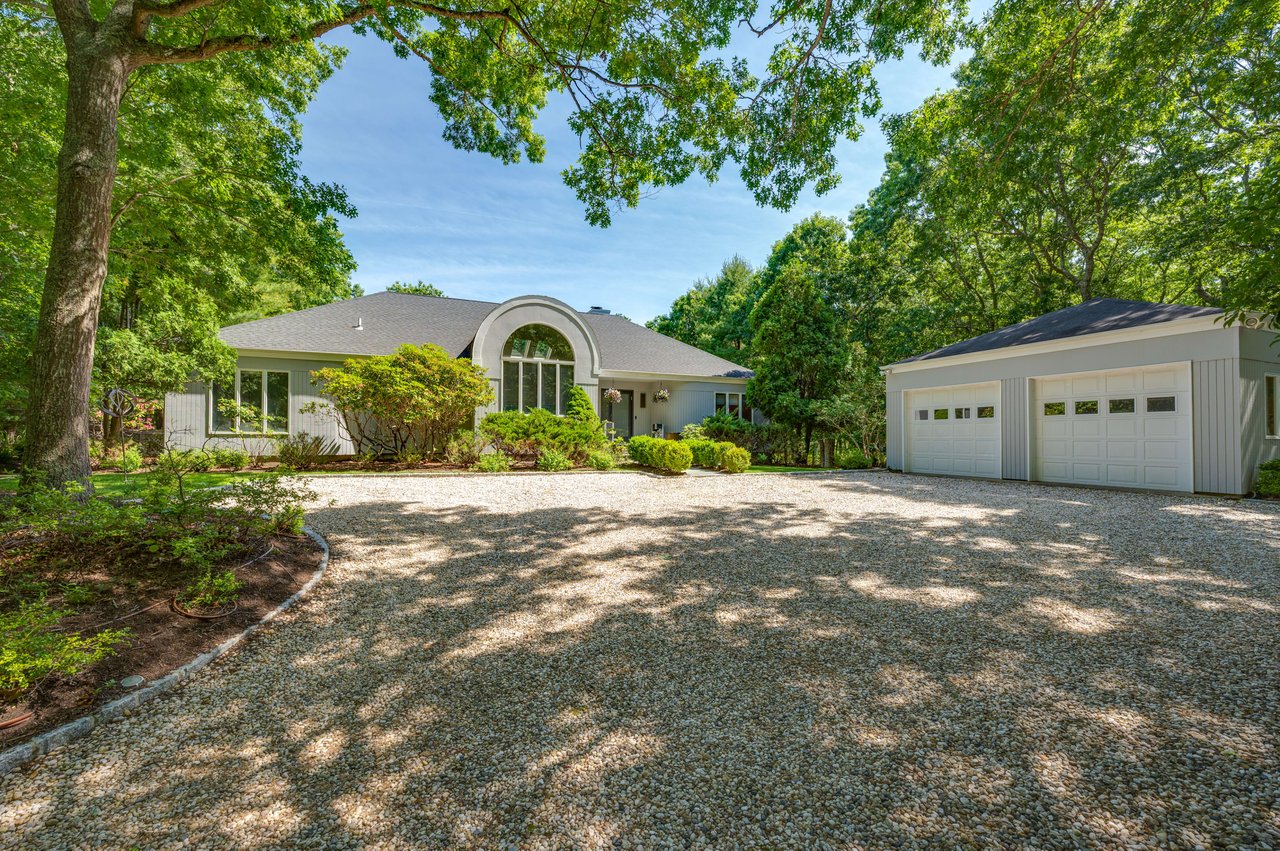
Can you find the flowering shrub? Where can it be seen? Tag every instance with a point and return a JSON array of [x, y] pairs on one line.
[[612, 394]]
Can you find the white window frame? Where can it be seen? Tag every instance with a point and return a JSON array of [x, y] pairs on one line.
[[537, 365], [741, 397], [261, 405], [1273, 411]]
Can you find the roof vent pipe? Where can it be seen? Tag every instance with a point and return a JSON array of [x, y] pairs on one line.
[[359, 326]]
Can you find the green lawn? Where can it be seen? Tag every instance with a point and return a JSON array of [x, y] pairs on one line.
[[118, 484]]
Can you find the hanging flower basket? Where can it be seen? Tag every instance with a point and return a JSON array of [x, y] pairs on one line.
[[662, 394], [613, 395]]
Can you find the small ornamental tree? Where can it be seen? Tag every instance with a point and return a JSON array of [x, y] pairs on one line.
[[801, 354], [413, 400]]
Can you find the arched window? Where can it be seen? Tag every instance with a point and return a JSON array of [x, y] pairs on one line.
[[537, 370]]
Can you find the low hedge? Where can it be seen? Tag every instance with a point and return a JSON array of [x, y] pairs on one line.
[[1269, 479], [719, 455], [668, 455]]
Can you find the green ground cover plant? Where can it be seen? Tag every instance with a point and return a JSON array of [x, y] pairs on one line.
[[1269, 479]]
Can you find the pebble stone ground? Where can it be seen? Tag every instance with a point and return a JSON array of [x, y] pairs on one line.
[[855, 660]]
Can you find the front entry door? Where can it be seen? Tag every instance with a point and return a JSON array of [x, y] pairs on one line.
[[620, 413]]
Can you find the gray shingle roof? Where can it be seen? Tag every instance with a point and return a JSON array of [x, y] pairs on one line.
[[391, 319], [1091, 317]]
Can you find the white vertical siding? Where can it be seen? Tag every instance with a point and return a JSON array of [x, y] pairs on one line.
[[1216, 412], [1013, 428], [893, 430], [187, 412]]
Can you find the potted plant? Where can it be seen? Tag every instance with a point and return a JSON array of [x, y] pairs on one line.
[[662, 394], [612, 394]]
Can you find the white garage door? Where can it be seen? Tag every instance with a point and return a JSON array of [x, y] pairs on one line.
[[954, 430], [1124, 428]]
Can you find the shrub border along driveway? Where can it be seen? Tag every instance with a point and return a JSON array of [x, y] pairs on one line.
[[42, 744]]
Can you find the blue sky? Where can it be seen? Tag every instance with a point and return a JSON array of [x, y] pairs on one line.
[[482, 230]]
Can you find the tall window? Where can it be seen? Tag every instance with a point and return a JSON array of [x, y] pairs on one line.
[[1272, 399], [537, 370], [735, 404], [262, 397]]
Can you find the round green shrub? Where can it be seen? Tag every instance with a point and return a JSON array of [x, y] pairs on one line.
[[553, 461], [230, 459], [670, 455], [736, 460], [601, 461]]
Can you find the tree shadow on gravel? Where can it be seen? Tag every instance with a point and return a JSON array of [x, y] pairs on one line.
[[852, 660]]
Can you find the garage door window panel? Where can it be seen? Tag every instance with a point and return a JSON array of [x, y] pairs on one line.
[[1086, 407], [941, 413], [1122, 406], [1055, 409], [986, 412], [1162, 404]]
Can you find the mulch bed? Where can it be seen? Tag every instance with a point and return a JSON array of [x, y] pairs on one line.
[[162, 639]]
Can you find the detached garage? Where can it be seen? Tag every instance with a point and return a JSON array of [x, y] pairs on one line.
[[1110, 393]]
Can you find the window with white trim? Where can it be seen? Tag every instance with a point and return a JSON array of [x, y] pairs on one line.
[[735, 404], [259, 403], [537, 370], [1271, 398]]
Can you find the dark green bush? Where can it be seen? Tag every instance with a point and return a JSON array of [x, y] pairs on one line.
[[670, 455], [10, 452], [526, 436], [852, 459], [304, 451], [1268, 480], [770, 442], [464, 448]]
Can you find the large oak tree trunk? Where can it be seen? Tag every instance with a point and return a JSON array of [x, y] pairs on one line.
[[57, 445]]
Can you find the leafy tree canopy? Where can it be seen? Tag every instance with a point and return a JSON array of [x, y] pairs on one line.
[[213, 221], [419, 288]]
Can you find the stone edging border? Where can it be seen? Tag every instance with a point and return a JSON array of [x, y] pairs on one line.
[[42, 744]]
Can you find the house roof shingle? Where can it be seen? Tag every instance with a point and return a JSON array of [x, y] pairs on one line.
[[1091, 317], [388, 320]]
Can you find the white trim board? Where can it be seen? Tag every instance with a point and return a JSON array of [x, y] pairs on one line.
[[1144, 332]]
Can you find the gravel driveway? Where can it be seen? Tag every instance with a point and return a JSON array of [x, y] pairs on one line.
[[846, 660]]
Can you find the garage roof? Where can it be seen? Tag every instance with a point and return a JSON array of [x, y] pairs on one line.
[[1091, 317], [388, 320]]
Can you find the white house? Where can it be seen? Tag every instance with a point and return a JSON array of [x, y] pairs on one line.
[[1110, 392], [534, 349]]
